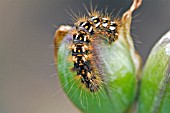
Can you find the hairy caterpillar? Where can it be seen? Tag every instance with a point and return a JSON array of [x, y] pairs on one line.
[[87, 31]]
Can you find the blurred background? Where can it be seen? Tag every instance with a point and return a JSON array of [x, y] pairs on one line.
[[27, 83]]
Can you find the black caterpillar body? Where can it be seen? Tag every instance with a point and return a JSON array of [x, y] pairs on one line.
[[80, 48]]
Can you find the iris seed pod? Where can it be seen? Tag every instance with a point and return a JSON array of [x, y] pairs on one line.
[[155, 83], [115, 65]]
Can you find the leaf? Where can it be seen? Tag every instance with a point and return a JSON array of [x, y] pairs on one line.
[[155, 83], [118, 62]]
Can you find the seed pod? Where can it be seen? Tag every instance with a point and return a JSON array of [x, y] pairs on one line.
[[155, 83], [99, 75]]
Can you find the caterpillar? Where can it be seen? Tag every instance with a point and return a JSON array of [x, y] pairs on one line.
[[87, 31]]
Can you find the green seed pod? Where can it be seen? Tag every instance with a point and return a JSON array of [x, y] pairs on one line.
[[155, 85], [116, 65]]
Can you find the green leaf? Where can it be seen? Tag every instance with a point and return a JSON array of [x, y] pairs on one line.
[[155, 83]]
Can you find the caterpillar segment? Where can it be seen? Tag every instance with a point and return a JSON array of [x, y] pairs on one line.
[[103, 27], [81, 58]]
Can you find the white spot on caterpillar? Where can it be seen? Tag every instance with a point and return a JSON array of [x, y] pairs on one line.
[[91, 28], [112, 28], [97, 24], [94, 17], [77, 36], [84, 38], [105, 24], [83, 49], [105, 20], [83, 24]]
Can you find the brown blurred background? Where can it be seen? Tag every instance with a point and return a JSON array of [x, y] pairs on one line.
[[26, 33]]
